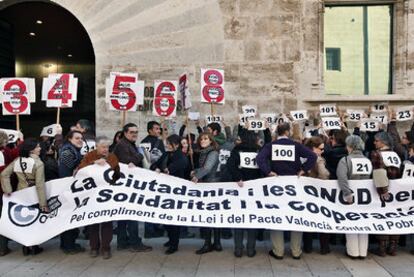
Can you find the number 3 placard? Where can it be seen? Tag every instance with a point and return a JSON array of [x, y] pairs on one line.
[[16, 94]]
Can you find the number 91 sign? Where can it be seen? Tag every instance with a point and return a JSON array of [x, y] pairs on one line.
[[212, 86], [16, 94]]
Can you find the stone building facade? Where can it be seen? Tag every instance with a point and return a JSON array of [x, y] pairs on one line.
[[271, 50]]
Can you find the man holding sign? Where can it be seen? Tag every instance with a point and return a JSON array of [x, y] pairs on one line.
[[285, 156]]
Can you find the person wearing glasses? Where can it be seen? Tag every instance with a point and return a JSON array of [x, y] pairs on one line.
[[319, 171], [127, 153]]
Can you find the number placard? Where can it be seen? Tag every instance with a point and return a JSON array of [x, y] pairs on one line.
[[331, 123], [16, 94], [88, 146], [282, 152], [26, 165], [361, 166], [281, 118], [146, 146], [355, 115], [12, 134], [224, 155], [299, 115], [379, 108], [212, 85], [256, 125], [369, 125], [408, 171], [269, 117], [124, 92], [327, 110], [381, 117], [49, 131], [248, 160], [249, 110], [165, 98], [244, 118], [390, 159], [405, 114], [60, 90], [213, 118]]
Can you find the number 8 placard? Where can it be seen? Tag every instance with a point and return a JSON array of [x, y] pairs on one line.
[[212, 86]]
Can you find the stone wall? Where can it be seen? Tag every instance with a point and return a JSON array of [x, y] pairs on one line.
[[271, 50]]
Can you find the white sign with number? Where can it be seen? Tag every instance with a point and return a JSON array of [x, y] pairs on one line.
[[224, 155], [146, 146], [256, 125], [16, 94], [124, 92], [49, 131], [282, 152], [60, 90], [299, 115], [269, 117], [248, 160], [355, 115], [244, 118], [213, 118], [88, 146], [405, 114], [381, 117], [281, 118], [390, 159], [331, 123], [12, 134], [361, 166], [327, 110], [369, 125], [249, 110], [408, 171], [24, 165], [379, 108]]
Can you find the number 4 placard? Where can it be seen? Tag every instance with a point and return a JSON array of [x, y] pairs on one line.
[[60, 90]]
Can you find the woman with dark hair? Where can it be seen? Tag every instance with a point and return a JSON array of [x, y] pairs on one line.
[[69, 159], [386, 166], [117, 137], [47, 155], [206, 172], [174, 163], [88, 135], [30, 172], [242, 167]]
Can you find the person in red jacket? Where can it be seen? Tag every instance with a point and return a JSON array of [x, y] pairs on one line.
[[7, 155]]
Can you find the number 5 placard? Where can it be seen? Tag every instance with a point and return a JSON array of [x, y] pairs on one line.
[[124, 92]]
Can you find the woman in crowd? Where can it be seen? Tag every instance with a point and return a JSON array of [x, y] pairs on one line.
[[30, 172], [206, 172], [174, 163], [69, 159], [319, 171], [242, 167], [354, 167]]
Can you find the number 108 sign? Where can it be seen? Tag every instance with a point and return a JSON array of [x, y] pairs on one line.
[[212, 86]]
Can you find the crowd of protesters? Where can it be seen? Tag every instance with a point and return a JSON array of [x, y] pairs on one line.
[[211, 155]]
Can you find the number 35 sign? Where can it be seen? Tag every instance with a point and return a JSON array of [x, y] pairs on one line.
[[212, 86], [16, 94]]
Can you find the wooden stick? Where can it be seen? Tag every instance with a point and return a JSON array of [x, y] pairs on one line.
[[58, 116], [190, 143], [212, 108], [123, 119], [17, 122]]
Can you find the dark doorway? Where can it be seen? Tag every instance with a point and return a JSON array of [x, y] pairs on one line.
[[39, 38]]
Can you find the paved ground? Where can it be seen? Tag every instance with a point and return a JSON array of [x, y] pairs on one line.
[[185, 263]]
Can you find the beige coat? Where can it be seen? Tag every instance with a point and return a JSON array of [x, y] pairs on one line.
[[37, 176]]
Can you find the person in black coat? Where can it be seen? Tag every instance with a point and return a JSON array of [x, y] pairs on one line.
[[174, 163], [242, 166]]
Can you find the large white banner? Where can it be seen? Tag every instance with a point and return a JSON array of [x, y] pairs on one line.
[[284, 203]]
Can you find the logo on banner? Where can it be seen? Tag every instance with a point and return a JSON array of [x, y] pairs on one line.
[[22, 215]]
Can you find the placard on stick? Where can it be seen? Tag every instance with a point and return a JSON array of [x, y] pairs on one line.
[[212, 86], [16, 94], [165, 98]]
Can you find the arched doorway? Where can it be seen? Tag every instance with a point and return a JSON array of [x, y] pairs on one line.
[[39, 38]]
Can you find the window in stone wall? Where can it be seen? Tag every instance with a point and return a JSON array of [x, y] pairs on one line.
[[333, 59], [358, 49]]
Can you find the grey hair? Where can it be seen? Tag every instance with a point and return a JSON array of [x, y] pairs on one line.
[[355, 142], [4, 138], [102, 140], [385, 138]]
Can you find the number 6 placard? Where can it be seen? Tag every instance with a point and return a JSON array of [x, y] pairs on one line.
[[165, 98], [16, 94], [212, 86]]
